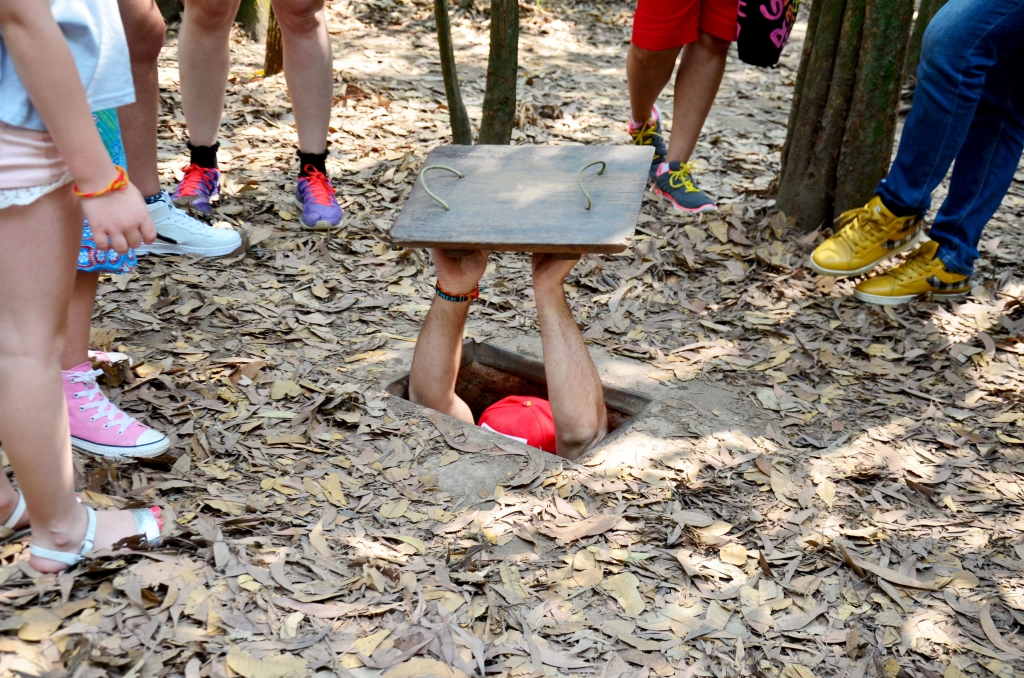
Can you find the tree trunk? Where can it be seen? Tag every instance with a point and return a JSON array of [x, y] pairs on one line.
[[252, 14], [843, 119], [925, 13], [810, 96], [817, 190], [273, 62], [499, 109], [170, 9], [462, 133], [871, 125]]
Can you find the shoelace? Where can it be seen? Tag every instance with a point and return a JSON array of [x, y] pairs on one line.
[[196, 178], [318, 186], [645, 134], [915, 267], [106, 408], [681, 178], [870, 228]]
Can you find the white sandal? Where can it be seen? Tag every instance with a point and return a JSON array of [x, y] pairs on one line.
[[145, 525], [19, 511]]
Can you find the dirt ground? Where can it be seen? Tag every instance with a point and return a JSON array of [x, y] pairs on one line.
[[817, 487]]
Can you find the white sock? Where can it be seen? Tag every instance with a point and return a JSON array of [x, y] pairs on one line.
[[634, 123]]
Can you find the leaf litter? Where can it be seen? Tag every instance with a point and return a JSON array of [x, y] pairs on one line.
[[856, 512]]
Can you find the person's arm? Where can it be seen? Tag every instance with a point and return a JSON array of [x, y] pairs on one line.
[[438, 354], [46, 68], [574, 386]]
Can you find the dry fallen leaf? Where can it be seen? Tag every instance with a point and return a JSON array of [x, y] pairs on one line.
[[992, 633], [273, 666], [624, 588], [734, 554]]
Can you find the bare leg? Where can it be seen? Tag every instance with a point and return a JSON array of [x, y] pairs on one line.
[[647, 73], [203, 62], [33, 414], [308, 69], [144, 28], [700, 74], [83, 297]]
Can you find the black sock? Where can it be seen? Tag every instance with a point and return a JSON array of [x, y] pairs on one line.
[[204, 156], [317, 160], [156, 197]]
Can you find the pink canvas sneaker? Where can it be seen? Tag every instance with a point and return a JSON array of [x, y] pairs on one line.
[[98, 427]]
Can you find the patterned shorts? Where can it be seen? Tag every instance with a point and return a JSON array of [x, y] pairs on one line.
[[90, 258]]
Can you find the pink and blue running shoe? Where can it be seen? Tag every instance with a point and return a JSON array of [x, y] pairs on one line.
[[674, 182], [198, 187], [649, 134], [315, 194]]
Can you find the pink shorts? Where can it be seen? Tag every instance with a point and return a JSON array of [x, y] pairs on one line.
[[30, 165]]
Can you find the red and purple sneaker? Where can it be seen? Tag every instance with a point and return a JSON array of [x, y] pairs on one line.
[[198, 187], [315, 194]]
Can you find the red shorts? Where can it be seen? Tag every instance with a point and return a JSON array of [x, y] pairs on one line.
[[667, 24]]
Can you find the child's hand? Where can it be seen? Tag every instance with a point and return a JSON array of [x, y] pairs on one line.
[[119, 220]]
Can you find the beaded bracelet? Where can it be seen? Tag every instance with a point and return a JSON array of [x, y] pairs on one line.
[[457, 298], [119, 183]]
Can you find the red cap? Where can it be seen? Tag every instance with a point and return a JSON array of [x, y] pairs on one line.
[[528, 419]]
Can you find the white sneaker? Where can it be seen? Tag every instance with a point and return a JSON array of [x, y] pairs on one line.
[[178, 233]]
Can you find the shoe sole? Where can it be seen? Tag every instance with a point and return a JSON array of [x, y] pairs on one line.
[[320, 225], [206, 252], [679, 208], [821, 270], [903, 299], [109, 452]]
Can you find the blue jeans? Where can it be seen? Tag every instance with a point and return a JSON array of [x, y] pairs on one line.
[[968, 107]]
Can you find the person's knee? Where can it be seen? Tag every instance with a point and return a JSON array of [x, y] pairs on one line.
[[211, 14], [651, 59], [145, 30], [298, 16], [942, 40], [713, 44]]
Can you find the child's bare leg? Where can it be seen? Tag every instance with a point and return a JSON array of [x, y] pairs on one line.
[[83, 298], [697, 82], [33, 412]]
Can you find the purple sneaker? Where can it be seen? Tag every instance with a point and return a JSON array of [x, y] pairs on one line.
[[197, 188], [315, 195]]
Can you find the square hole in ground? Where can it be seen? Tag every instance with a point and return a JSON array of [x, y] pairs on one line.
[[489, 373]]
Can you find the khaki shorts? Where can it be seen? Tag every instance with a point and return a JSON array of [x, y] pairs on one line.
[[30, 166]]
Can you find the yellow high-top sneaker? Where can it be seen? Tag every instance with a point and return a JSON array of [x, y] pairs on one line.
[[921, 273], [869, 234]]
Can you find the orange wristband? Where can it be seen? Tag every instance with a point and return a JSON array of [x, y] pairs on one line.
[[457, 298], [119, 183]]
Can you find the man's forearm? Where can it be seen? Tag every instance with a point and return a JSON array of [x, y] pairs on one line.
[[436, 360], [574, 386]]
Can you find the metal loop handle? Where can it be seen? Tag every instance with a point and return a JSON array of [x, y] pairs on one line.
[[423, 180], [579, 177]]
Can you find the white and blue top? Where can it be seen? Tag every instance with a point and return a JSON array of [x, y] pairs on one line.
[[94, 32]]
